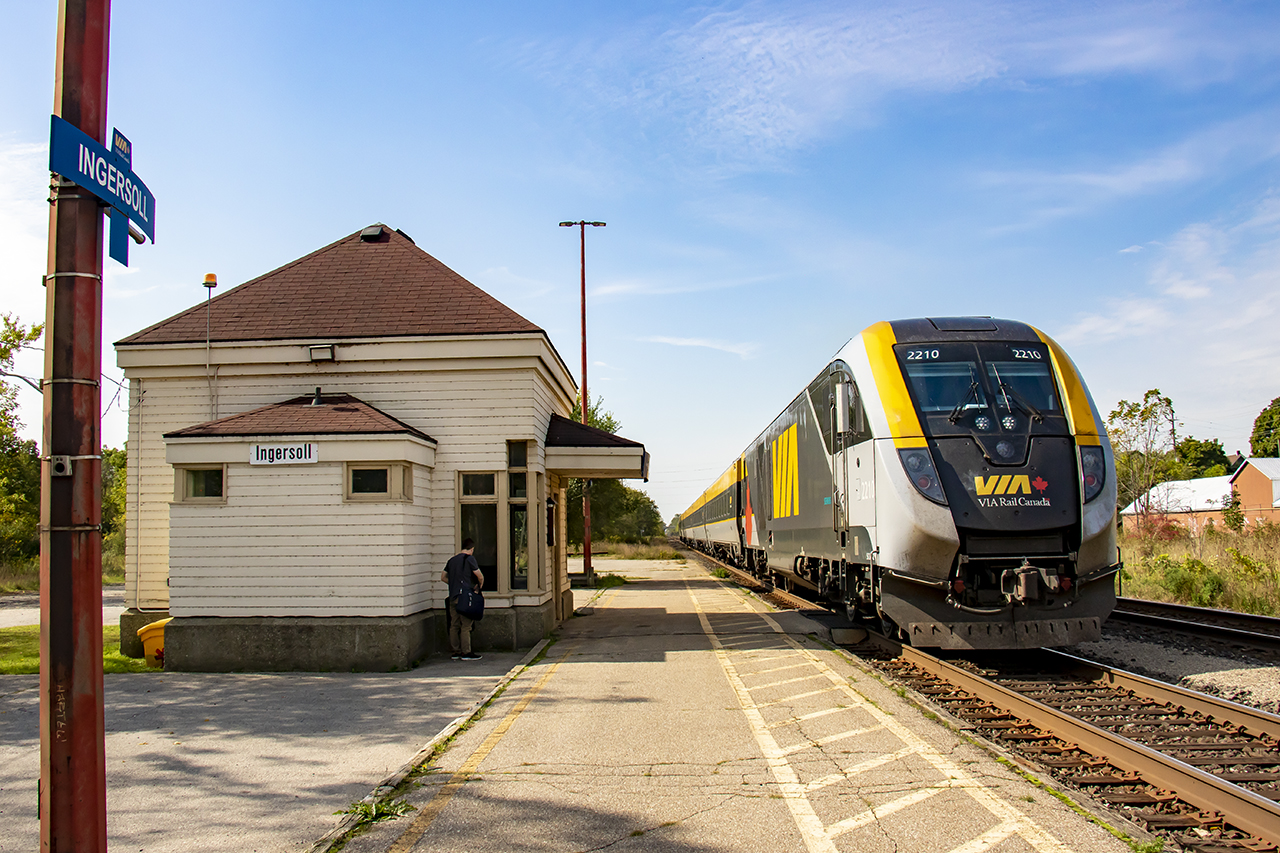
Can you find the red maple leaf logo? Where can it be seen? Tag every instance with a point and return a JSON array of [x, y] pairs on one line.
[[1040, 483]]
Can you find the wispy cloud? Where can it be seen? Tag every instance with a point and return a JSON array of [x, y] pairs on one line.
[[1241, 143], [751, 81], [740, 350], [1203, 328], [1130, 250]]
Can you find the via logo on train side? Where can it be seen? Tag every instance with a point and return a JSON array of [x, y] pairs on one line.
[[948, 478]]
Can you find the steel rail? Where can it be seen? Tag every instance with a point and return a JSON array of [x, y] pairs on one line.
[[1257, 722], [1238, 806], [1268, 624], [1186, 619]]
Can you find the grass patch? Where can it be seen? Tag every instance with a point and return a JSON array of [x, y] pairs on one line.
[[25, 577], [20, 577], [655, 550], [607, 581], [20, 652], [719, 572], [1215, 568]]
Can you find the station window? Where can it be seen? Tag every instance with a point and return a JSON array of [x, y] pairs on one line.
[[518, 512], [478, 521], [378, 481], [203, 485]]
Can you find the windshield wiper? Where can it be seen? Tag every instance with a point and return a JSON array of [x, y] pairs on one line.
[[971, 394], [1006, 390]]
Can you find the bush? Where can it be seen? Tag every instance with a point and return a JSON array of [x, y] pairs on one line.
[[1192, 581]]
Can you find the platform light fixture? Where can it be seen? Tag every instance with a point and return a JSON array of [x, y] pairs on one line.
[[586, 401], [210, 282]]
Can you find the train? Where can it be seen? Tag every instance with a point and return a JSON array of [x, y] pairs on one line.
[[948, 479]]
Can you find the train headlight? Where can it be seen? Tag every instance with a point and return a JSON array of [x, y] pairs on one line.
[[982, 422], [1009, 422], [1093, 472], [918, 464]]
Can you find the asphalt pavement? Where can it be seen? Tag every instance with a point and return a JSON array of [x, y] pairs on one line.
[[23, 608], [677, 713], [243, 762]]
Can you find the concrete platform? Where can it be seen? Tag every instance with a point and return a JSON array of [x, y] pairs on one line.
[[214, 762], [680, 714]]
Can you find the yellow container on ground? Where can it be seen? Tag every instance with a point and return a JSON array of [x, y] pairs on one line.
[[152, 637]]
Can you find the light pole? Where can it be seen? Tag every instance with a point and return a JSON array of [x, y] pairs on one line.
[[586, 401]]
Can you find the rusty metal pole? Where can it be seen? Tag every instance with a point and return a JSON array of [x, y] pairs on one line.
[[73, 789], [586, 404]]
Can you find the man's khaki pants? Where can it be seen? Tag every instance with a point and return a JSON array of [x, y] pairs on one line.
[[459, 630]]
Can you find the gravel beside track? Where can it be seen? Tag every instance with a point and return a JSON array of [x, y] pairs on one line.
[[1211, 668]]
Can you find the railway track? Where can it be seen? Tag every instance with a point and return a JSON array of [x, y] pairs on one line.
[[1238, 629], [1200, 771]]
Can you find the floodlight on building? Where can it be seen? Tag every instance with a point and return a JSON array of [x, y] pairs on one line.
[[322, 352]]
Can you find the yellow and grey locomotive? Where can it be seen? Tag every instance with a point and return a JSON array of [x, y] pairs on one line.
[[950, 477]]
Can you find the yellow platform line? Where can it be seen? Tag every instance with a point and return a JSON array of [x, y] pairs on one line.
[[872, 815], [1029, 830], [829, 739], [775, 669], [796, 696], [414, 832], [786, 681], [859, 768], [791, 721], [792, 791]]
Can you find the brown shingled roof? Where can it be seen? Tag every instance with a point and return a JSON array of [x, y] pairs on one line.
[[338, 414], [353, 288]]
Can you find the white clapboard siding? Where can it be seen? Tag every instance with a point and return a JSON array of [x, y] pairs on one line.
[[264, 548], [306, 552]]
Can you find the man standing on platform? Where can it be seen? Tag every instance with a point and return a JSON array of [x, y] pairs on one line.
[[461, 570]]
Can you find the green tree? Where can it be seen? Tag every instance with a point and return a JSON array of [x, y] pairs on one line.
[[1200, 458], [114, 484], [1265, 439], [673, 527], [618, 513], [19, 458], [1143, 436], [1232, 515]]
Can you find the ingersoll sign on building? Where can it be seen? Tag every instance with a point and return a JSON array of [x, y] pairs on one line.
[[283, 454]]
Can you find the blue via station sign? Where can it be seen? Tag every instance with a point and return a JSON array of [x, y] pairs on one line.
[[108, 174]]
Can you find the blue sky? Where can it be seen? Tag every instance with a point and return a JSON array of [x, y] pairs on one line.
[[775, 177]]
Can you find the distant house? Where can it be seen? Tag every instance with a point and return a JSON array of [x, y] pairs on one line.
[[1193, 503], [1190, 503], [1258, 484], [300, 473]]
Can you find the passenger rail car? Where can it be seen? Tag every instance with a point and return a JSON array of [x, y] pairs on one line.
[[950, 477]]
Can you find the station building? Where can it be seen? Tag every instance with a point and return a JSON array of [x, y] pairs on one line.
[[307, 449]]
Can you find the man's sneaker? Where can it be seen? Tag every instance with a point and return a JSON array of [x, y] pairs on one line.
[[470, 656], [457, 655]]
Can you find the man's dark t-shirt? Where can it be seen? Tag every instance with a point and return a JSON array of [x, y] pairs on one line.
[[461, 569]]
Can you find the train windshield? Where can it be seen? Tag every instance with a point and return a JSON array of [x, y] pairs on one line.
[[943, 386], [1023, 384], [982, 386]]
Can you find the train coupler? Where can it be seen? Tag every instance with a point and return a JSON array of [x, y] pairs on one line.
[[1029, 584]]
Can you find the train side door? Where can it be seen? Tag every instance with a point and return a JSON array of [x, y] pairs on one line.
[[840, 456], [860, 463]]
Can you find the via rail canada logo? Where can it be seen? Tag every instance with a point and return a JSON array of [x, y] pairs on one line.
[[1005, 490]]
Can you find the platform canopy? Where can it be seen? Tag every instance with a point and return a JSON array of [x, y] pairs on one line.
[[577, 450]]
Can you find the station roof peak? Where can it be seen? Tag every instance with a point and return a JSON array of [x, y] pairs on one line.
[[310, 414], [373, 283]]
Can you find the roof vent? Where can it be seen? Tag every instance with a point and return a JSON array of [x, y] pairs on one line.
[[317, 400], [963, 324], [372, 234]]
